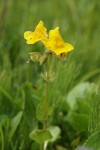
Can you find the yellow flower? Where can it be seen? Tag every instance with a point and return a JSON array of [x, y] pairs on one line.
[[37, 35], [55, 42]]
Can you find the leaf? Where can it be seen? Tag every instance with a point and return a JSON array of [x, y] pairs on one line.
[[41, 111], [93, 141], [83, 106], [58, 147], [14, 123], [75, 142], [83, 148], [79, 91], [7, 95], [30, 101], [50, 76], [90, 74], [55, 132], [40, 136], [50, 110], [3, 120], [35, 146], [78, 121]]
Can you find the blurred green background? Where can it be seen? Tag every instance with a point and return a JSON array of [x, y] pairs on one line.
[[20, 86]]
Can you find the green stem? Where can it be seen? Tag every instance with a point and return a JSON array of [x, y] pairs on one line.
[[2, 138], [44, 146], [46, 99], [46, 93], [46, 107]]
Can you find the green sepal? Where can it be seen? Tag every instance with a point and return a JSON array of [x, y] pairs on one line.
[[50, 76], [42, 59], [37, 57]]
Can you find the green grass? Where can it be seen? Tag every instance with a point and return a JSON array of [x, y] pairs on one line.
[[20, 86]]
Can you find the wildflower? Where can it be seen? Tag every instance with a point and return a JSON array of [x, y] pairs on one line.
[[55, 42], [37, 35]]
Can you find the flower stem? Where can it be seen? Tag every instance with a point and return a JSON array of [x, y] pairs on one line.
[[46, 106], [46, 92], [46, 99]]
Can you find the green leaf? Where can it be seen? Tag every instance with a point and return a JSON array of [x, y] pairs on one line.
[[3, 120], [90, 74], [7, 95], [55, 132], [83, 106], [35, 146], [50, 77], [40, 111], [93, 141], [31, 99], [79, 91], [40, 136], [83, 148], [78, 121], [50, 110], [58, 147], [14, 123]]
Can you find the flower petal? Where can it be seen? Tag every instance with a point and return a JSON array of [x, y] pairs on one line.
[[68, 47], [54, 35], [28, 35], [64, 49], [37, 35]]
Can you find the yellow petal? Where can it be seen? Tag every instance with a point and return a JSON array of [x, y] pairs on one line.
[[55, 35], [37, 35], [32, 41], [28, 35], [56, 44], [68, 47], [64, 49], [54, 32], [40, 30]]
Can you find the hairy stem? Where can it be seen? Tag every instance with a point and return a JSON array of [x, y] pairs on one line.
[[46, 93], [46, 99]]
